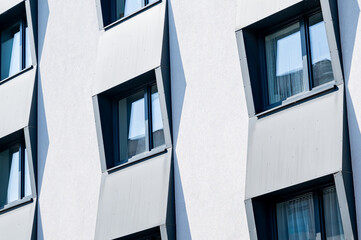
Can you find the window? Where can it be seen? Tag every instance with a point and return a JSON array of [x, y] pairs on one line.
[[15, 49], [287, 57], [314, 215], [139, 123], [297, 59], [114, 10], [14, 174]]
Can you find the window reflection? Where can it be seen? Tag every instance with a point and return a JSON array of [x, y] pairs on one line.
[[140, 123], [11, 54], [157, 122], [132, 125], [284, 63], [320, 53]]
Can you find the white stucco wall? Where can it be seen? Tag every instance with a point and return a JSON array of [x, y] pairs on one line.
[[68, 159], [350, 31], [210, 120]]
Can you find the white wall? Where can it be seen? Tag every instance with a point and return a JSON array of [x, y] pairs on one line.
[[210, 120], [68, 159], [349, 12]]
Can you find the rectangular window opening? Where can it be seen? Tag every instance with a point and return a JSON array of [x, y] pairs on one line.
[[15, 49], [14, 174], [139, 123]]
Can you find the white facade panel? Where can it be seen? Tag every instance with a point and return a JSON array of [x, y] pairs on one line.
[[295, 145], [18, 223], [16, 96], [130, 48], [350, 33], [210, 121]]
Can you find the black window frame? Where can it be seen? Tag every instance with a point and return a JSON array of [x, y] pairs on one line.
[[20, 141], [149, 146], [23, 24], [108, 10], [303, 20]]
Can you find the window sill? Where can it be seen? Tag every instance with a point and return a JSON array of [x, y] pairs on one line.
[[130, 15], [16, 74], [139, 158], [16, 204], [302, 97]]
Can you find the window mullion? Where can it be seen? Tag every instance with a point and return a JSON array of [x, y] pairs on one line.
[[305, 55], [21, 171]]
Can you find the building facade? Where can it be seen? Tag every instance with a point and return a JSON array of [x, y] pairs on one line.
[[179, 119]]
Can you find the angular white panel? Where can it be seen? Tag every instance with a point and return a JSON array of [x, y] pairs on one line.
[[139, 38], [134, 198], [18, 223], [15, 102], [295, 145]]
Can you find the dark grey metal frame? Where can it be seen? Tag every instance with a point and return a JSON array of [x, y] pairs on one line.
[[105, 110], [329, 13]]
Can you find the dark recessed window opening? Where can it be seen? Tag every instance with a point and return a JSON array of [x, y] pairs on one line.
[[297, 59], [15, 49], [14, 173], [114, 10], [139, 123]]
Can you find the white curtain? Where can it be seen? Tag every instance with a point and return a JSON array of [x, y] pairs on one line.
[[333, 223], [295, 219], [284, 63]]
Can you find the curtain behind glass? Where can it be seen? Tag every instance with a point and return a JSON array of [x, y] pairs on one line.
[[320, 52], [11, 51], [284, 63], [295, 219], [331, 212]]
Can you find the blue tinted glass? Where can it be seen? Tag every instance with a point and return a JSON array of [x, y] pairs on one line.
[[284, 63], [157, 122], [9, 175], [11, 51], [131, 125], [320, 52]]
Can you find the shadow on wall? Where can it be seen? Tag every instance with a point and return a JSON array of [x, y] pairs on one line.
[[43, 136], [349, 11], [178, 83]]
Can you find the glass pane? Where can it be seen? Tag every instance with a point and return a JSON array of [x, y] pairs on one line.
[[295, 219], [157, 122], [152, 1], [132, 125], [284, 63], [11, 59], [331, 211], [27, 185], [9, 175], [28, 61], [320, 52], [126, 7]]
